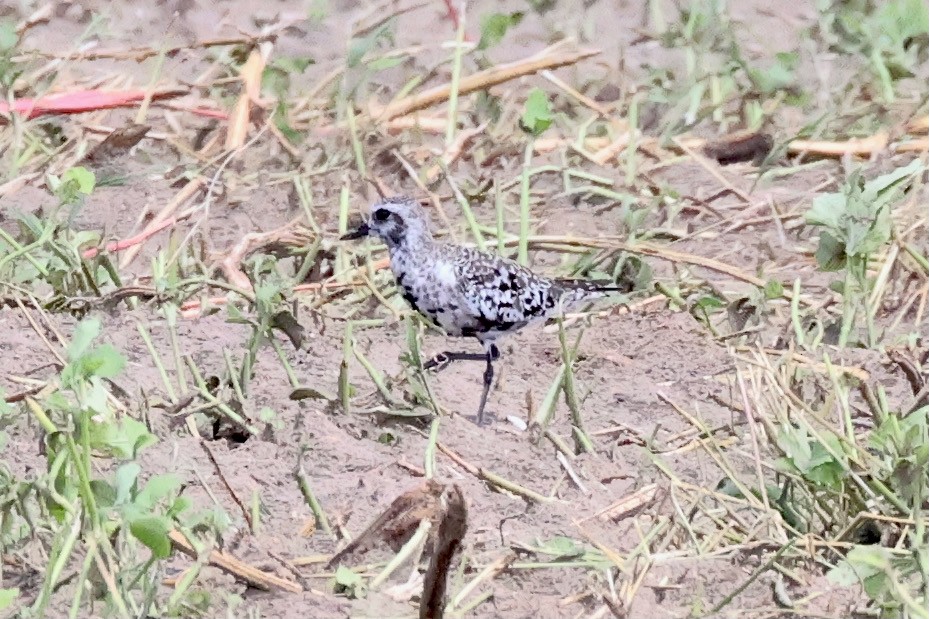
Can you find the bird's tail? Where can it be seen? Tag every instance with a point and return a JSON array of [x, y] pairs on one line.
[[581, 290]]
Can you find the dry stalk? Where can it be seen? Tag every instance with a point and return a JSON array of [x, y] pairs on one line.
[[239, 569], [482, 80]]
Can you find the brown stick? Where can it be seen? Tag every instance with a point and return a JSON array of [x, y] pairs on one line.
[[188, 191], [483, 80], [222, 477], [123, 244], [451, 532], [142, 53], [856, 146], [239, 569], [918, 125]]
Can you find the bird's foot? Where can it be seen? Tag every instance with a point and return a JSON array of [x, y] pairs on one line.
[[438, 363], [441, 360], [484, 420]]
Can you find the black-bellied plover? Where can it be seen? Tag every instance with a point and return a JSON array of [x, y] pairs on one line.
[[466, 292]]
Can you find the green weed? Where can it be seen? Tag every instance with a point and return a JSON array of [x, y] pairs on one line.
[[99, 518], [856, 224], [892, 35]]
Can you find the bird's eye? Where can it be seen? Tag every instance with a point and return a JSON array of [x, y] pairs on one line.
[[381, 214]]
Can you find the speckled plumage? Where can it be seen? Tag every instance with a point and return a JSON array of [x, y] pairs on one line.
[[468, 293]]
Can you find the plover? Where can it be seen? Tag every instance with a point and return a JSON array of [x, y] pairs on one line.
[[466, 292]]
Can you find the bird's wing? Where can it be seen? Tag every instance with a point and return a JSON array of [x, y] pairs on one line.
[[499, 293]]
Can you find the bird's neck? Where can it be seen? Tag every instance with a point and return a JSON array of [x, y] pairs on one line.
[[411, 253], [415, 243]]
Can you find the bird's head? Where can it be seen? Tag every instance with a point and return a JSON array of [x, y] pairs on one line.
[[395, 220]]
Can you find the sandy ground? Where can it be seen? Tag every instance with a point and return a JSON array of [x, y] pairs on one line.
[[631, 365]]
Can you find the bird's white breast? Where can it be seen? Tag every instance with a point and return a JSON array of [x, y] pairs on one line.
[[445, 274]]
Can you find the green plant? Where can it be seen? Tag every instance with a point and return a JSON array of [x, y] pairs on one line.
[[276, 79], [271, 313], [98, 516], [362, 63], [893, 35], [536, 118], [73, 186], [537, 113], [901, 446], [9, 39], [46, 257], [494, 27], [889, 578], [349, 583], [856, 223]]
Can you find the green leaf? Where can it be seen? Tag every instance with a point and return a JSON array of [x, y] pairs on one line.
[[179, 506], [360, 46], [857, 220], [8, 596], [903, 19], [157, 488], [827, 210], [8, 40], [123, 438], [868, 565], [494, 27], [886, 181], [830, 255], [779, 76], [83, 178], [5, 408], [126, 476], [73, 186], [382, 64], [823, 469], [795, 444], [810, 458], [349, 583], [728, 488], [537, 115], [281, 122], [293, 64], [96, 399], [773, 289], [267, 295], [562, 548], [102, 362], [84, 334], [153, 532], [708, 302], [104, 493]]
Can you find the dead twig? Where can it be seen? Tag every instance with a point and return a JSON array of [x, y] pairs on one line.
[[219, 473], [482, 80], [250, 75], [239, 569], [186, 193], [291, 234], [398, 522], [627, 505], [453, 524]]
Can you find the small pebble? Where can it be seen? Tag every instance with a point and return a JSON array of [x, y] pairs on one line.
[[518, 422]]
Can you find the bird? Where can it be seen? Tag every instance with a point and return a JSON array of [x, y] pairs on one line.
[[464, 291]]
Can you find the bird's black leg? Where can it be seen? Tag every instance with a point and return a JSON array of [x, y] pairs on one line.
[[441, 360], [488, 380]]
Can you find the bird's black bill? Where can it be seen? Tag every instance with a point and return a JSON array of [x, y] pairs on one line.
[[357, 233]]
